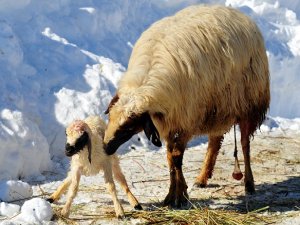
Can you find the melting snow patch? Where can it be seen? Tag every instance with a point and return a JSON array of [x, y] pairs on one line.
[[14, 190], [9, 210]]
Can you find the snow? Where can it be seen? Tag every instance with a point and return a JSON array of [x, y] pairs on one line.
[[61, 60], [12, 190], [21, 140], [9, 210], [34, 211]]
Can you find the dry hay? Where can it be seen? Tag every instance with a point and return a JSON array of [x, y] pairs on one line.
[[199, 216]]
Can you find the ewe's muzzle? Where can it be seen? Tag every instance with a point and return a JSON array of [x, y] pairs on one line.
[[121, 137]]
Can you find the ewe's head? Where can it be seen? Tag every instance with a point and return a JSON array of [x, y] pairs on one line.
[[78, 138], [126, 119]]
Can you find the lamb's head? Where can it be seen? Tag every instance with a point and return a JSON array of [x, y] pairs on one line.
[[77, 138], [125, 120]]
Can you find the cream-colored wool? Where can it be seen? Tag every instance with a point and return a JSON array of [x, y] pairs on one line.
[[189, 65], [198, 72], [80, 165]]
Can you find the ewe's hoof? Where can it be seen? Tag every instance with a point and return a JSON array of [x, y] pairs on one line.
[[177, 203], [249, 188], [200, 185], [138, 207]]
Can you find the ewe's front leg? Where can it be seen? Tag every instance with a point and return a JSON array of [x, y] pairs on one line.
[[112, 189], [177, 195], [73, 189], [118, 174]]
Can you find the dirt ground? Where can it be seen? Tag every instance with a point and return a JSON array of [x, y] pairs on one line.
[[275, 165]]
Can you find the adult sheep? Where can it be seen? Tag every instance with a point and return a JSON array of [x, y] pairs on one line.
[[198, 72]]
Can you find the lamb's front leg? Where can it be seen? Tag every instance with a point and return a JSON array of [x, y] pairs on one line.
[[73, 189], [112, 189], [60, 190]]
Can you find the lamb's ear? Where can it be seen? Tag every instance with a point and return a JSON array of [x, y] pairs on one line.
[[89, 146], [151, 131], [112, 102]]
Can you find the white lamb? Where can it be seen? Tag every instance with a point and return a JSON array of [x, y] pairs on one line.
[[85, 146]]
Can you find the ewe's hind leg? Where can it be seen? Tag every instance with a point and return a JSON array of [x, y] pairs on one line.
[[118, 174], [112, 189], [73, 189], [60, 190], [247, 129], [214, 145]]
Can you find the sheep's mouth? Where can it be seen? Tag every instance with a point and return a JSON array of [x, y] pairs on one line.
[[120, 138], [71, 150], [80, 143]]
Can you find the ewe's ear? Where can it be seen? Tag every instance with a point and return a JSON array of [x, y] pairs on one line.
[[151, 131], [112, 102]]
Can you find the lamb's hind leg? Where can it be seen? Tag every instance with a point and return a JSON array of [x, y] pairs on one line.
[[247, 129], [214, 145], [118, 174], [108, 177]]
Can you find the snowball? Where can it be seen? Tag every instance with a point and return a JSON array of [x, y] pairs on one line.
[[9, 209], [14, 190], [35, 211]]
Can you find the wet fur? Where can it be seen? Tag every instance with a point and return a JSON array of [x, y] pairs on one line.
[[85, 162]]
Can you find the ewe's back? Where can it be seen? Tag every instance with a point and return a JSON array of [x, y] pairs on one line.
[[205, 58]]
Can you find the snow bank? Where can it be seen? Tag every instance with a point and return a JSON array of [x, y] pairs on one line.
[[24, 150], [54, 66]]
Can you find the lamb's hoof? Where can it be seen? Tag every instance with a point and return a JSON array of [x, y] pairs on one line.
[[138, 207], [65, 213], [121, 217], [50, 200]]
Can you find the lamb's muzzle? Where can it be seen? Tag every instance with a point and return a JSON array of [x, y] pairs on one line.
[[80, 143]]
